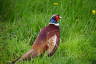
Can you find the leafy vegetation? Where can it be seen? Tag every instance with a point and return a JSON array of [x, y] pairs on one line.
[[21, 21]]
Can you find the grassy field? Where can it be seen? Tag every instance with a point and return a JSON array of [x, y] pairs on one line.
[[21, 21]]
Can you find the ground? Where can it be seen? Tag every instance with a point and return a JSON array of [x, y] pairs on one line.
[[21, 21]]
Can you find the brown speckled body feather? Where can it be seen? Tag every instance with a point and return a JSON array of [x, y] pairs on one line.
[[41, 42]]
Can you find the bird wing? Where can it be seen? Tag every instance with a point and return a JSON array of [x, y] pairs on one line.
[[45, 38], [53, 42]]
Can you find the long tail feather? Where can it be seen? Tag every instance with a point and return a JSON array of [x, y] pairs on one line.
[[30, 54]]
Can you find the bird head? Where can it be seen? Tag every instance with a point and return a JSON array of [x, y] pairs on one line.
[[55, 18]]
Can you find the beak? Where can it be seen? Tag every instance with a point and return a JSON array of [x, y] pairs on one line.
[[60, 17]]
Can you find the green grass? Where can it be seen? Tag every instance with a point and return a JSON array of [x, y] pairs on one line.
[[21, 21]]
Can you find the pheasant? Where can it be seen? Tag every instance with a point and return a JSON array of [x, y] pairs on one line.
[[46, 41]]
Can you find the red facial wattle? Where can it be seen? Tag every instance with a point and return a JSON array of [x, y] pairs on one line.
[[57, 18]]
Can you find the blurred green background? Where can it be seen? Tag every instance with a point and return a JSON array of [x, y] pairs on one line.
[[21, 21]]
